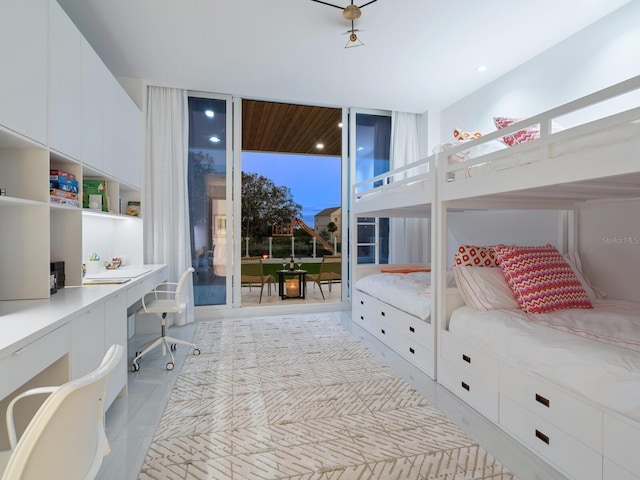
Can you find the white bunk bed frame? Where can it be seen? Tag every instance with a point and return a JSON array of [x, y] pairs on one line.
[[595, 159], [581, 439], [405, 192]]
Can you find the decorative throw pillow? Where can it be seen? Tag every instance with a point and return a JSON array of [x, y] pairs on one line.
[[521, 136], [541, 279], [484, 288], [474, 256]]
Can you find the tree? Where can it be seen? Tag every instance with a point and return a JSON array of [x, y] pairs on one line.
[[332, 227], [264, 205]]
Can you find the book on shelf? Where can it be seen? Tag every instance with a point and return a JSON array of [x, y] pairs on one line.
[[94, 195], [55, 174], [133, 208]]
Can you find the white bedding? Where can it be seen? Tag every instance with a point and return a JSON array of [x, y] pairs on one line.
[[409, 292], [592, 352]]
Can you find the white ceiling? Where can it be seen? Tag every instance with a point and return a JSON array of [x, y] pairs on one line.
[[419, 55]]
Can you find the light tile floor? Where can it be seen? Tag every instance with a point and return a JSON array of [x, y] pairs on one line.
[[132, 420]]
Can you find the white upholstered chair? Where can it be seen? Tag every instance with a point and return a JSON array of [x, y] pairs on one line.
[[168, 297], [65, 439]]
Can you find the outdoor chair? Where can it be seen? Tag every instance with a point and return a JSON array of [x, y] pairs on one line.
[[330, 271], [251, 273]]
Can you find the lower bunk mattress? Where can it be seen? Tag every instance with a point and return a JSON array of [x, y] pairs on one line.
[[409, 292], [593, 352]]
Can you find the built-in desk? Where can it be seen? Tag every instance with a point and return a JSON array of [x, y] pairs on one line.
[[73, 328]]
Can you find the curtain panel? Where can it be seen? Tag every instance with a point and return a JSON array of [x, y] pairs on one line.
[[165, 206], [408, 237]]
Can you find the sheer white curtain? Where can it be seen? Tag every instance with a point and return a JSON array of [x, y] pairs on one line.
[[165, 192], [408, 237]]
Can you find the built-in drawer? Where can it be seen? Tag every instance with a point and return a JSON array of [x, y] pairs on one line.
[[421, 356], [621, 438], [26, 362], [385, 333], [464, 385], [565, 452], [362, 312], [566, 412], [471, 360], [409, 326]]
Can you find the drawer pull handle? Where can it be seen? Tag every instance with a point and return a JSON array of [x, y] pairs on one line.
[[362, 317], [361, 302], [412, 350], [382, 313], [542, 436], [412, 330], [466, 358], [382, 330], [465, 386], [542, 400]]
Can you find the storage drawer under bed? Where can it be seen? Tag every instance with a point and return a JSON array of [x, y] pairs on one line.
[[464, 385], [566, 412], [565, 452]]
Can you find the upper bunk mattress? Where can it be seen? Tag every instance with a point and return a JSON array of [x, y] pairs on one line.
[[593, 352], [409, 292]]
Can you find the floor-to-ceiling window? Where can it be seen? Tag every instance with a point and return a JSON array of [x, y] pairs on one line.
[[371, 150], [209, 157]]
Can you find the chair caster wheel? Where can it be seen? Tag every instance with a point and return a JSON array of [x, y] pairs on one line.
[[135, 368], [170, 366], [173, 347], [196, 351]]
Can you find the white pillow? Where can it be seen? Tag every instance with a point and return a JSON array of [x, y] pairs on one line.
[[484, 288], [573, 259]]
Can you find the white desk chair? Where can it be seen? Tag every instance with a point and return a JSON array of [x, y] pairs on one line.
[[167, 298], [65, 439]]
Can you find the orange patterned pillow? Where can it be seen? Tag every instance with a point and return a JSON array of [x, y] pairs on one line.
[[474, 256], [541, 279]]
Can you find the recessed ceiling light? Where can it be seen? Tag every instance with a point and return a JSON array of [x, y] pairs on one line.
[[482, 68], [214, 139], [319, 146], [209, 113], [360, 149], [340, 125]]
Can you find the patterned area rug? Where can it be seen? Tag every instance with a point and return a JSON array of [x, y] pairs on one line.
[[301, 399]]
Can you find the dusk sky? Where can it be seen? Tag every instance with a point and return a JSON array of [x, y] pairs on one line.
[[314, 180]]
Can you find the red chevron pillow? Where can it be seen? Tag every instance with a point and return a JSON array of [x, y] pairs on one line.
[[521, 136], [474, 256], [541, 279]]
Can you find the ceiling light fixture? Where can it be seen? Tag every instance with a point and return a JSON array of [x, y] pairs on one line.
[[352, 13], [209, 113]]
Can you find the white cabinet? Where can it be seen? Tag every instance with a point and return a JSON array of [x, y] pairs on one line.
[[87, 341], [94, 85], [115, 332], [60, 107], [65, 83], [24, 79]]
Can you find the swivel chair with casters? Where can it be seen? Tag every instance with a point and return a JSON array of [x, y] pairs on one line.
[[167, 298], [65, 439]]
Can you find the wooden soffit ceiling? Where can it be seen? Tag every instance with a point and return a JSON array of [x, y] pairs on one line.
[[287, 128]]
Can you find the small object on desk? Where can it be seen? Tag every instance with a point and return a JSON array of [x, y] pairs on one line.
[[112, 264]]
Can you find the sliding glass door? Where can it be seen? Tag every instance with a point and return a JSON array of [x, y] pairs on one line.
[[210, 157]]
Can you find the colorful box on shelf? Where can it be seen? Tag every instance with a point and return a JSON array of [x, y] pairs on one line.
[[68, 185], [70, 202], [56, 192], [55, 174]]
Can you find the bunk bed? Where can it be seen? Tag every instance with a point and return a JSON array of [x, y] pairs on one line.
[[564, 382], [393, 302]]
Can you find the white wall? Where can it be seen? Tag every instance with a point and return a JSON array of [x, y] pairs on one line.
[[108, 238], [516, 227], [609, 246], [601, 55]]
